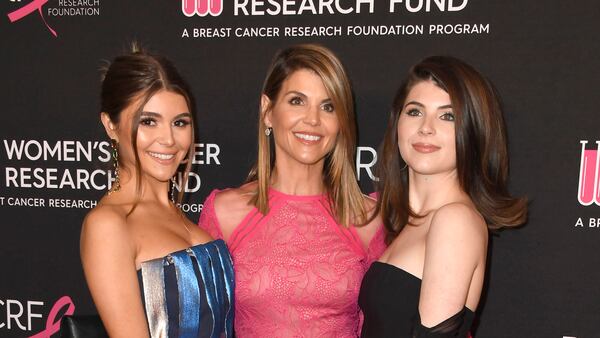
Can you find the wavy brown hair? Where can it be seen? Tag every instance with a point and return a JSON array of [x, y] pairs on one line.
[[481, 147], [346, 199], [135, 77]]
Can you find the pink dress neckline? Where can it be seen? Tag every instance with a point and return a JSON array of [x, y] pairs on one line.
[[273, 191], [298, 271]]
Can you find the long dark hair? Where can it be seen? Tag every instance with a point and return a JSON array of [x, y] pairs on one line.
[[481, 147], [138, 75]]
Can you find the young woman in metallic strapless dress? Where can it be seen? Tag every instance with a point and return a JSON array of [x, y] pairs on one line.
[[152, 272]]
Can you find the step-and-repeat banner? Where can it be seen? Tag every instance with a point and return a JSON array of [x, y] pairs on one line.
[[543, 279]]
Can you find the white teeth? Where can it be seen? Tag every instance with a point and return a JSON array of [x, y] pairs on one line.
[[308, 137], [161, 156]]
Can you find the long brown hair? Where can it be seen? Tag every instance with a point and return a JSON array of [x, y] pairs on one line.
[[339, 177], [481, 147], [137, 76]]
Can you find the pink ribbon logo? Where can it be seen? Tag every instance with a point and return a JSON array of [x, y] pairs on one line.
[[53, 323], [28, 9]]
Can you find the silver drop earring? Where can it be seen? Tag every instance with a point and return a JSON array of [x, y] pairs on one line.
[[268, 131]]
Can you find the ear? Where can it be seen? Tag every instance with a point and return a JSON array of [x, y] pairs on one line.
[[265, 112], [109, 126]]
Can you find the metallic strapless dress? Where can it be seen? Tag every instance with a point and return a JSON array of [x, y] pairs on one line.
[[189, 293]]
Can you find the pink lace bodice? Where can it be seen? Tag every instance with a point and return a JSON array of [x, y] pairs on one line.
[[297, 271]]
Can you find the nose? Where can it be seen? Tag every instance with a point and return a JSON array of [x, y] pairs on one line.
[[166, 136], [313, 115], [427, 126]]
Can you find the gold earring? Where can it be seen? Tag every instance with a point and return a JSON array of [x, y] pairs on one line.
[[173, 189], [116, 186]]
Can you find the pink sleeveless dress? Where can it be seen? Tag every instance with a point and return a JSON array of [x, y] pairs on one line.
[[297, 271]]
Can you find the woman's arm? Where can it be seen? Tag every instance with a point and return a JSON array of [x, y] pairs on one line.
[[108, 258], [455, 247]]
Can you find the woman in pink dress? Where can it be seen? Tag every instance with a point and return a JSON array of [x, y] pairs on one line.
[[299, 231]]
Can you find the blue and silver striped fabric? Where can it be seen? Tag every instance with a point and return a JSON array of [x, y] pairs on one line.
[[189, 293]]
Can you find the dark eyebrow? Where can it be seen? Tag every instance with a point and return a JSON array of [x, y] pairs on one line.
[[446, 106], [296, 93], [186, 114], [150, 113], [415, 103], [153, 114], [327, 100]]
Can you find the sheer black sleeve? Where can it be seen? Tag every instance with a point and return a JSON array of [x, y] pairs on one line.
[[449, 328]]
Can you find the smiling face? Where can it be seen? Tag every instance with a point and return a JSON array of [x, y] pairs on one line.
[[303, 118], [426, 130], [164, 135]]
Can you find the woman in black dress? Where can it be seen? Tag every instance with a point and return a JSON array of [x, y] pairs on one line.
[[443, 184]]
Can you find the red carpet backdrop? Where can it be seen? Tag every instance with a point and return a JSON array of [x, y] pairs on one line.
[[55, 162]]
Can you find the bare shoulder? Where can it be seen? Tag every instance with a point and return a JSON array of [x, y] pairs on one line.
[[460, 223], [106, 224], [235, 198], [232, 205], [454, 263], [104, 218], [108, 258]]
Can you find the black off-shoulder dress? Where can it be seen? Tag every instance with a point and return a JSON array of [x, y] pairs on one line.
[[389, 299]]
